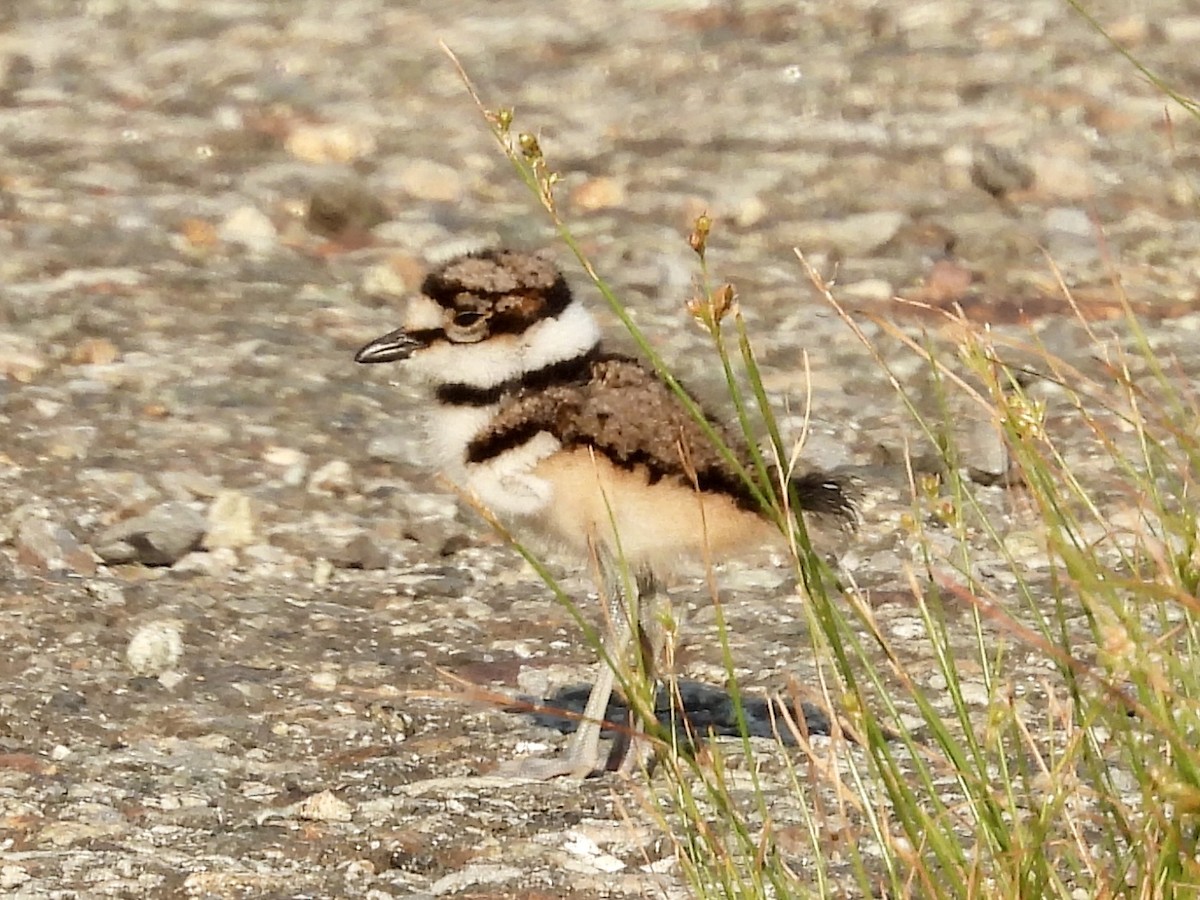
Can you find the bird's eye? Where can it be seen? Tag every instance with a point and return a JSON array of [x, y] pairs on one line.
[[467, 326], [466, 318]]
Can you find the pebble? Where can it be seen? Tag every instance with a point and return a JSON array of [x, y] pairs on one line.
[[285, 457], [1000, 171], [974, 693], [344, 208], [329, 143], [159, 538], [361, 552], [907, 628], [324, 807], [335, 477], [155, 648], [396, 443], [875, 290], [213, 563], [1070, 238], [1182, 29], [947, 282], [129, 488], [469, 876], [20, 359], [293, 462], [322, 572], [189, 485], [983, 448], [431, 181], [46, 408], [584, 848], [13, 876], [599, 193], [94, 351], [251, 229], [232, 522], [49, 546], [71, 441], [856, 235], [1064, 173], [384, 281], [323, 681]]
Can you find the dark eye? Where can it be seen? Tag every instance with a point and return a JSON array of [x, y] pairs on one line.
[[466, 318]]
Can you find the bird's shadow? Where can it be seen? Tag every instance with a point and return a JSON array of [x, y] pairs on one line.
[[697, 711]]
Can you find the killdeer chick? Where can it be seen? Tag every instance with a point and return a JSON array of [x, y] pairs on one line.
[[553, 433]]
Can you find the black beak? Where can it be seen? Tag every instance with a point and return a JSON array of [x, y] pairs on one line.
[[392, 347]]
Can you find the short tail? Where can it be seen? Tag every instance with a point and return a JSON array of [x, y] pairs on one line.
[[827, 494]]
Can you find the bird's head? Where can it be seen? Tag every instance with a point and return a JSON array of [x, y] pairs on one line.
[[496, 295]]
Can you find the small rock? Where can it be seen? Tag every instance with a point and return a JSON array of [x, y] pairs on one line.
[[94, 351], [158, 538], [984, 452], [857, 235], [66, 834], [285, 457], [323, 681], [250, 228], [324, 807], [947, 282], [599, 193], [129, 490], [232, 521], [750, 212], [907, 628], [361, 553], [17, 74], [155, 648], [584, 848], [19, 358], [13, 876], [1070, 237], [1181, 29], [48, 546], [198, 236], [472, 875], [213, 563], [106, 593], [873, 290], [344, 209], [974, 693], [329, 143], [999, 171], [47, 408], [335, 477], [432, 181], [1130, 32], [1065, 172], [293, 462], [190, 485], [396, 443], [322, 572], [388, 281], [72, 441]]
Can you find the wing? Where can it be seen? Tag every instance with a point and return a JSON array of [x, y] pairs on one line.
[[624, 411]]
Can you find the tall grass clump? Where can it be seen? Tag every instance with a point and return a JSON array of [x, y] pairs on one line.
[[1051, 747]]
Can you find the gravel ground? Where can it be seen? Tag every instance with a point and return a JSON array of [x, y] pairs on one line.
[[238, 620]]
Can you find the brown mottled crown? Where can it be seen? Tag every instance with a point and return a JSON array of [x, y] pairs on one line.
[[527, 285]]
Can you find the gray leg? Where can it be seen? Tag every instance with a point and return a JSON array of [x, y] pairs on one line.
[[582, 754], [654, 643]]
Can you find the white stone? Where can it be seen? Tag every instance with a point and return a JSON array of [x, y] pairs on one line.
[[155, 648]]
